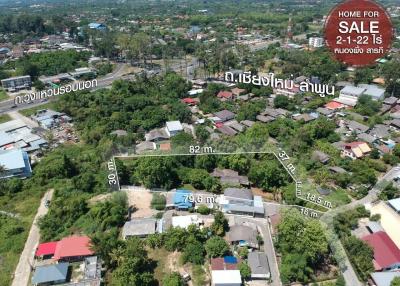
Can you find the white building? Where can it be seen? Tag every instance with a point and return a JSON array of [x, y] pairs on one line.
[[395, 204], [173, 128], [226, 278], [316, 42], [185, 221]]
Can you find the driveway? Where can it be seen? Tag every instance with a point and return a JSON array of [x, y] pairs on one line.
[[265, 231], [23, 270]]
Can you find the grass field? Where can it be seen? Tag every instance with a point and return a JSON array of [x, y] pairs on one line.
[[4, 118], [14, 231], [31, 111], [3, 95], [160, 255]]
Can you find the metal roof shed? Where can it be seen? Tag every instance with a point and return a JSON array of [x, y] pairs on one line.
[[56, 273]]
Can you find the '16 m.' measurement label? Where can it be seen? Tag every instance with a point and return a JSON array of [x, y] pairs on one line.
[[309, 213], [112, 175]]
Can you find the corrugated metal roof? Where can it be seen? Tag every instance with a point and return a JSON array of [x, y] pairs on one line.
[[13, 159], [50, 273]]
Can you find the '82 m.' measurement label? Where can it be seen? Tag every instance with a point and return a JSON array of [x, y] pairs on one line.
[[201, 149]]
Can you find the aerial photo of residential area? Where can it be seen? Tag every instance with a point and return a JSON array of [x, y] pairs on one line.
[[200, 143]]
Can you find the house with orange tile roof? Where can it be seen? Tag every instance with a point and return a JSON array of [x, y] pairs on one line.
[[355, 150]]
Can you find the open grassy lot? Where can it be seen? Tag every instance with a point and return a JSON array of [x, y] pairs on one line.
[[31, 111], [3, 95], [14, 230], [4, 118]]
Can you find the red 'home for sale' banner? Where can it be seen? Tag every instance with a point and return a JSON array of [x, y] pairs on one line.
[[358, 32]]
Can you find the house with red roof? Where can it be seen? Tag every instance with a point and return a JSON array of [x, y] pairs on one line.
[[190, 101], [46, 250], [225, 263], [225, 95], [355, 150], [386, 253], [334, 105], [73, 248]]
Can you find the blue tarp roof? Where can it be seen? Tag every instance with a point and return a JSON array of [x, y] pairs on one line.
[[230, 259], [181, 199]]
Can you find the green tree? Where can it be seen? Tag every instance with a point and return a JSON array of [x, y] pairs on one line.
[[220, 224], [173, 279], [295, 268], [194, 253], [281, 101], [267, 175], [395, 281], [245, 270], [361, 256], [340, 281], [216, 247]]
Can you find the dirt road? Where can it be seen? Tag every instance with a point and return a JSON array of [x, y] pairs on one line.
[[23, 270]]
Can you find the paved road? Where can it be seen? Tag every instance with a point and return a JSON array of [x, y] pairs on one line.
[[349, 274], [7, 105], [23, 270], [264, 228]]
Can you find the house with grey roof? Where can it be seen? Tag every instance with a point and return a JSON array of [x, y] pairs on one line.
[[380, 131], [265, 118], [241, 201], [247, 123], [320, 156], [224, 129], [145, 146], [325, 111], [357, 127], [141, 227], [374, 91], [235, 125], [390, 100], [157, 135], [225, 115], [243, 235], [352, 91], [50, 274], [337, 170], [232, 177], [395, 124], [259, 266], [366, 138]]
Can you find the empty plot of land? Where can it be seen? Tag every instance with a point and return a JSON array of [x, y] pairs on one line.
[[138, 197]]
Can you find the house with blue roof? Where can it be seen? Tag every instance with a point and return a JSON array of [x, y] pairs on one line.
[[97, 26], [51, 274], [15, 164], [181, 200]]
